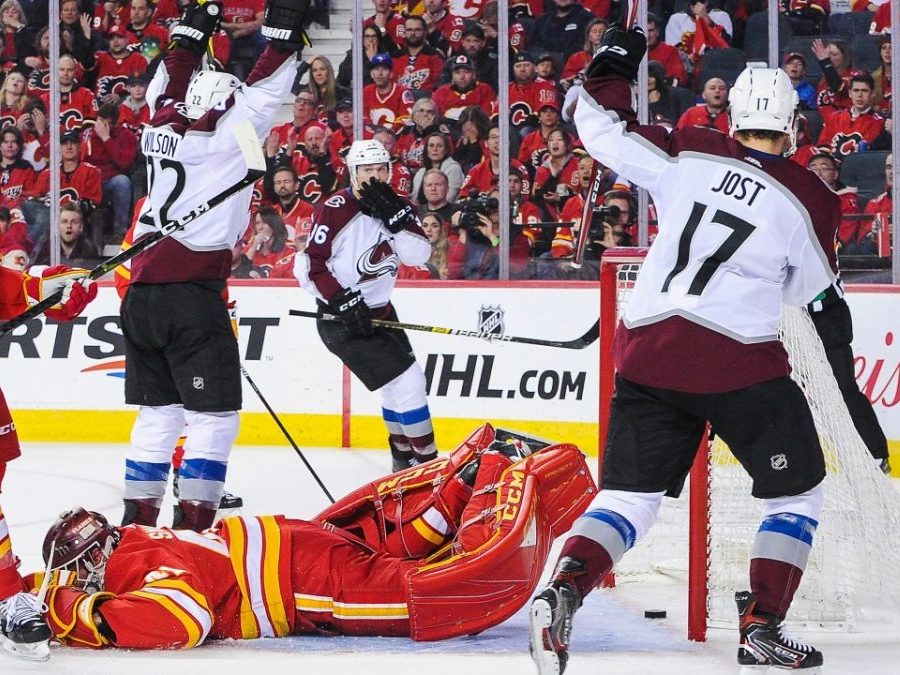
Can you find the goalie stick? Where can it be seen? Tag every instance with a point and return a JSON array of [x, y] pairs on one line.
[[256, 169], [578, 343]]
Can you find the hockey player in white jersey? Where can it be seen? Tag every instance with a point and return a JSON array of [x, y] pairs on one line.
[[742, 230], [360, 237], [181, 355]]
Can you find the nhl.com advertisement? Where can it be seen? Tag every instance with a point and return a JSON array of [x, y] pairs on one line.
[[544, 390]]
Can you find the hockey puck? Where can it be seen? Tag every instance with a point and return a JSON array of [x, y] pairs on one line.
[[654, 614]]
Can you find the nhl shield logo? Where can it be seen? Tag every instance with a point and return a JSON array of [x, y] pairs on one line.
[[490, 320], [779, 462]]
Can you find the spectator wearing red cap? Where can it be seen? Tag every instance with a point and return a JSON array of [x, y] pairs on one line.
[[386, 103], [116, 65], [418, 66], [713, 112], [795, 67], [463, 91], [389, 24], [528, 93]]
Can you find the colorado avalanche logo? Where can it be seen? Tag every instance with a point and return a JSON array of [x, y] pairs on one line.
[[490, 320], [378, 261]]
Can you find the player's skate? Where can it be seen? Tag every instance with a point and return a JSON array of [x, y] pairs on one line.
[[23, 631], [551, 624], [404, 458], [765, 645]]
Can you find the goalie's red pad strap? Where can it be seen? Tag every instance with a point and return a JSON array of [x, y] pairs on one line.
[[70, 616]]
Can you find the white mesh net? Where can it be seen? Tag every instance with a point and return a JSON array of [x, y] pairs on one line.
[[854, 562]]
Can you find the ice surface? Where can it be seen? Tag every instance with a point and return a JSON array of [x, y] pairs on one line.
[[610, 636]]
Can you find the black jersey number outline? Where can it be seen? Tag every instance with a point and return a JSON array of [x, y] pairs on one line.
[[740, 231], [177, 189]]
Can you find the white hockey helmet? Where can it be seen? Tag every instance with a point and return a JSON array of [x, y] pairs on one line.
[[366, 152], [206, 90], [764, 99]]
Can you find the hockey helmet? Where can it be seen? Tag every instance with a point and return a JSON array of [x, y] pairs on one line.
[[362, 153], [81, 541], [764, 99], [207, 89]]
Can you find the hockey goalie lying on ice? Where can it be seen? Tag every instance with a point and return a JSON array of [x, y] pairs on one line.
[[447, 548]]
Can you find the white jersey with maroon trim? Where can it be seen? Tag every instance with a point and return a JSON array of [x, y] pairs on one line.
[[348, 249]]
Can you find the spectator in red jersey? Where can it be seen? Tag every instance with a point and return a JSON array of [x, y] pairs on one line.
[[483, 177], [150, 37], [438, 155], [269, 250], [341, 139], [36, 134], [75, 248], [435, 229], [79, 182], [525, 213], [713, 112], [805, 146], [556, 179], [684, 22], [432, 195], [882, 78], [411, 142], [578, 61], [12, 98], [17, 177], [881, 20], [474, 125], [112, 148], [386, 103], [115, 66], [289, 136], [372, 45], [464, 90], [444, 30], [324, 87], [664, 54], [880, 209], [826, 167], [296, 213], [533, 150], [561, 30], [17, 37], [134, 110], [76, 32], [14, 232], [418, 65], [109, 13], [836, 65], [389, 24], [528, 93], [860, 127], [401, 177], [546, 67], [242, 21], [78, 106], [313, 167]]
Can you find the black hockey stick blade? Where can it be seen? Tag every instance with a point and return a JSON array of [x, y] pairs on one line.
[[578, 343], [256, 169]]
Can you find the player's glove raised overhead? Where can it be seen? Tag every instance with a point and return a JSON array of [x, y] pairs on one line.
[[353, 310], [198, 22], [77, 289], [620, 53], [283, 24], [379, 200]]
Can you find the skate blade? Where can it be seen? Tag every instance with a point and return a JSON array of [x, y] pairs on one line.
[[33, 651], [547, 661], [774, 670]]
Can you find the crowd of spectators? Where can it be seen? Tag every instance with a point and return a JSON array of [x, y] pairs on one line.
[[430, 72]]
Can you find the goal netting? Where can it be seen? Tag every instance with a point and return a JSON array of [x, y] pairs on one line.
[[854, 562]]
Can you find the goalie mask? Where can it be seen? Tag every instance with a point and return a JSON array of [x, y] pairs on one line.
[[81, 542], [362, 153], [207, 89], [764, 99]]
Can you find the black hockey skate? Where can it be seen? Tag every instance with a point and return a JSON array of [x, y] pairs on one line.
[[405, 459], [228, 500], [551, 624], [23, 631], [764, 643]]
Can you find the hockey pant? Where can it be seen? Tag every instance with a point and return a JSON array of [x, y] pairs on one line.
[[405, 412]]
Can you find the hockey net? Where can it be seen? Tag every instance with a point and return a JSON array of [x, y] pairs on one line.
[[706, 535]]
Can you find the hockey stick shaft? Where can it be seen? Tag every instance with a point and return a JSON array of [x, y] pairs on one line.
[[578, 343], [287, 435]]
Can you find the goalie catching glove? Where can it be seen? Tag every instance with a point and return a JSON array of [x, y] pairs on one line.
[[379, 200], [198, 22], [353, 311], [620, 53], [283, 24], [77, 289]]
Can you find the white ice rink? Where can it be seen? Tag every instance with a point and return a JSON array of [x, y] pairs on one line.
[[610, 635]]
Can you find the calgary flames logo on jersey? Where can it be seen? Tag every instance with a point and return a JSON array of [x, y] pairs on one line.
[[378, 261], [520, 113], [414, 78], [846, 144]]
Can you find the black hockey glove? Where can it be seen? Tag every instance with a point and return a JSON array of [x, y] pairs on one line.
[[353, 311], [197, 24], [379, 200], [283, 24], [620, 53]]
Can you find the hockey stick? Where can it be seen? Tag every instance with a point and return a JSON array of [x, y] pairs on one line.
[[256, 169], [578, 343], [627, 17], [285, 432]]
